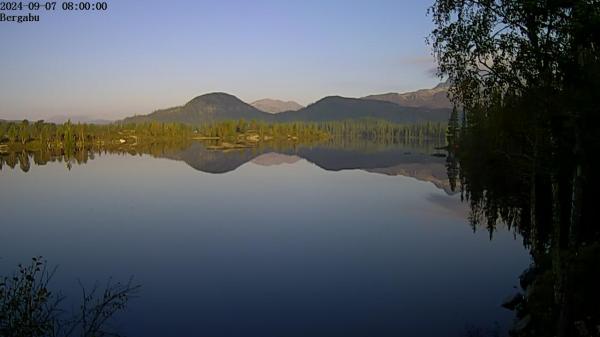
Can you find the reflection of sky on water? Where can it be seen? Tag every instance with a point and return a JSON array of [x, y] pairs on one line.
[[281, 250], [448, 205]]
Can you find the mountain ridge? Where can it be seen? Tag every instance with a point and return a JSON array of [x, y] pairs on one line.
[[60, 119], [275, 105], [332, 108], [434, 98], [425, 105], [211, 107]]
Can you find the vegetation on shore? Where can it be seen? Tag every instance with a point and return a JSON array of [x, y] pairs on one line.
[[29, 307], [23, 143], [41, 136], [32, 136]]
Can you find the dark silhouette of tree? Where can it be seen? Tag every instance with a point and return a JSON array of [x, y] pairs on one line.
[[526, 75], [28, 306]]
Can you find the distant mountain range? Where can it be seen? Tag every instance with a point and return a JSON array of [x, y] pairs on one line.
[[419, 106], [334, 108], [77, 119], [435, 98], [61, 119], [275, 106]]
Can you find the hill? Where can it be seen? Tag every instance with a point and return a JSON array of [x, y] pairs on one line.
[[205, 108], [275, 105], [221, 106], [339, 108], [435, 98]]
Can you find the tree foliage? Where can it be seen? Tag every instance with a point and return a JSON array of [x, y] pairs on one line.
[[526, 75]]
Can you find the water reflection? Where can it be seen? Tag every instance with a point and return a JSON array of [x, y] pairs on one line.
[[511, 181], [420, 161], [301, 240], [82, 156]]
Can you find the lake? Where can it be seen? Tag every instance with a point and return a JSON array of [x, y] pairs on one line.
[[297, 241]]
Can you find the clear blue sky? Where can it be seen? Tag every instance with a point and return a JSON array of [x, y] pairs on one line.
[[144, 54]]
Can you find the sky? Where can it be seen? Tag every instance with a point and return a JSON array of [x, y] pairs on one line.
[[142, 55]]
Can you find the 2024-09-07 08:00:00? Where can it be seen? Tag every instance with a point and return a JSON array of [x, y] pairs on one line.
[[51, 6]]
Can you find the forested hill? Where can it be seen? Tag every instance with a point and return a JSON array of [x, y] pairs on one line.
[[206, 108], [335, 108], [215, 107]]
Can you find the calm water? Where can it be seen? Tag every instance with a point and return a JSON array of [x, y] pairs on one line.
[[304, 242]]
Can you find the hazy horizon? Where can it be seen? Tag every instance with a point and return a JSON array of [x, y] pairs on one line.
[[146, 55]]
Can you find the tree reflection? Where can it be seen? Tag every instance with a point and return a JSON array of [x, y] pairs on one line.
[[525, 75], [79, 156]]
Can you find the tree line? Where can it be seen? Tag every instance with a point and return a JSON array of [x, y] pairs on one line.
[[380, 131], [525, 78], [25, 143], [39, 134]]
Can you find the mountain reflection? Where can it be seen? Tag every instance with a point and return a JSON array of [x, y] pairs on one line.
[[411, 160]]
